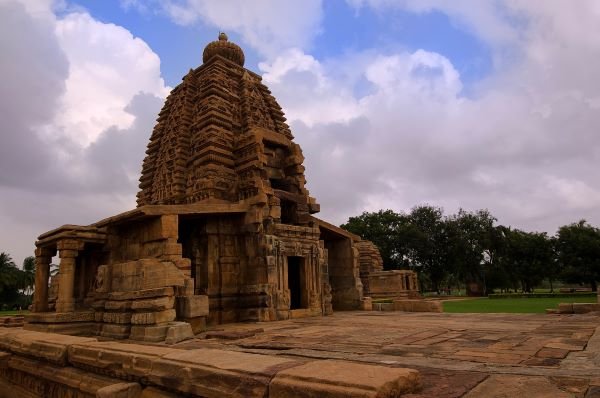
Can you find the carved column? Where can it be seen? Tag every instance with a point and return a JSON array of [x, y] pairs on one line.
[[43, 257], [68, 251]]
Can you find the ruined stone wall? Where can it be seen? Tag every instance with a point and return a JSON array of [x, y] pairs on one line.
[[344, 274], [146, 285], [370, 261]]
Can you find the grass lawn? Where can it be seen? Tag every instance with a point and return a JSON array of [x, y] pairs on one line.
[[517, 305], [5, 313]]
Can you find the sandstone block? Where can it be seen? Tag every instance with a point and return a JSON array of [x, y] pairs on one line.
[[583, 308], [154, 304], [217, 373], [60, 317], [117, 317], [150, 318], [99, 316], [366, 304], [113, 305], [47, 346], [98, 304], [565, 308], [120, 390], [198, 324], [142, 294], [192, 306], [187, 289], [152, 392], [179, 331], [337, 379], [410, 305], [116, 359], [149, 333], [146, 273], [115, 331]]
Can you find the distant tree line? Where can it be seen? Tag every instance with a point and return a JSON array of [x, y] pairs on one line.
[[469, 249], [16, 285]]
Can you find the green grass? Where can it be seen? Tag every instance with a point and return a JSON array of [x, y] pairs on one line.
[[509, 305], [5, 313]]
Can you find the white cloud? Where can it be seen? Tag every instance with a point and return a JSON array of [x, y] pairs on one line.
[[525, 145], [268, 26], [80, 100], [107, 67], [299, 77]]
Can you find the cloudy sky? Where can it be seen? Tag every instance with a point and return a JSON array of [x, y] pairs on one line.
[[465, 103]]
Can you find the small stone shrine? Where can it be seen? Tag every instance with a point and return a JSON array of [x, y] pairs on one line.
[[223, 231]]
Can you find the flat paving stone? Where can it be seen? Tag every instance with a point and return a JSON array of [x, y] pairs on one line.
[[458, 355]]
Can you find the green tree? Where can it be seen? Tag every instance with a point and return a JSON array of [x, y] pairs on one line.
[[10, 279], [428, 243], [472, 243], [578, 252], [529, 256], [385, 229], [28, 278]]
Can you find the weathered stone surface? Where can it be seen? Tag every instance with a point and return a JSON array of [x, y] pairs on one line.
[[117, 317], [120, 390], [27, 377], [418, 305], [114, 305], [192, 306], [335, 379], [583, 308], [115, 331], [142, 294], [47, 346], [151, 318], [116, 359], [198, 324], [153, 392], [217, 373], [565, 308], [500, 386], [60, 317], [154, 304], [151, 333], [179, 331], [144, 274]]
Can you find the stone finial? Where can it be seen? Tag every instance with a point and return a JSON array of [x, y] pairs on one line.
[[224, 48]]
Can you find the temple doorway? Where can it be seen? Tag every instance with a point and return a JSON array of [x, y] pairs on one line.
[[297, 282]]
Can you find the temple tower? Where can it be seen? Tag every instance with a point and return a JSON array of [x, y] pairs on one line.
[[221, 137]]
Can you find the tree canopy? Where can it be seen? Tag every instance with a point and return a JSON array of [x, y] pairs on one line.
[[470, 248]]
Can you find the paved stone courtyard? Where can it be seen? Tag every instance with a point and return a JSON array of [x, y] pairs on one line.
[[458, 355]]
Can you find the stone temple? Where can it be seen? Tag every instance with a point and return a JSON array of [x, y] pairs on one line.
[[224, 229]]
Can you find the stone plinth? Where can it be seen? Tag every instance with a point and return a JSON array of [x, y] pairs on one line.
[[70, 364]]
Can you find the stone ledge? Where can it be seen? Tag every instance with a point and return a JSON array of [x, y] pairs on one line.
[[338, 379], [47, 346], [60, 317], [201, 372], [418, 306]]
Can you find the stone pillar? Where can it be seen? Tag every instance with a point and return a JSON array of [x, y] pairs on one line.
[[68, 251], [43, 257]]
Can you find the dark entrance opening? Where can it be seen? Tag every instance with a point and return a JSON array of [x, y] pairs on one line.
[[296, 282]]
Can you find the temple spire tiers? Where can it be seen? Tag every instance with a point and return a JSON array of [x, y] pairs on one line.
[[224, 228]]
